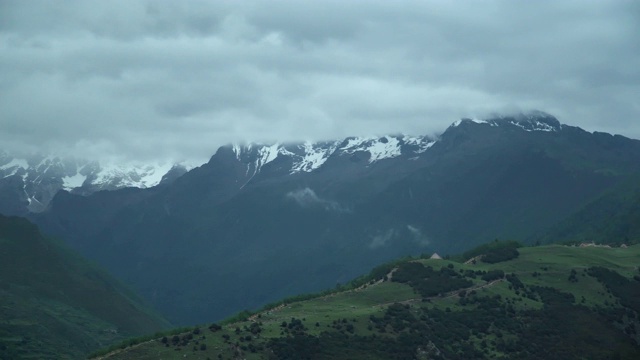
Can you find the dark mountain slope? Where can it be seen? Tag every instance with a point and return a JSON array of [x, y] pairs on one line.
[[53, 304], [10, 200], [613, 218], [252, 223], [519, 185]]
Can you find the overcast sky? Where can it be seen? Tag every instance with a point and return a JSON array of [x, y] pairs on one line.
[[177, 79]]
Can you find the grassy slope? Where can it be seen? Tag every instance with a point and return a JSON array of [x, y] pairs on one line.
[[53, 304], [550, 264]]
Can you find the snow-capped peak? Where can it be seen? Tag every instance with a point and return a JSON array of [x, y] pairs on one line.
[[530, 121]]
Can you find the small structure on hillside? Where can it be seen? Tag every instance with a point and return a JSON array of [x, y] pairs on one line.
[[593, 244], [435, 256]]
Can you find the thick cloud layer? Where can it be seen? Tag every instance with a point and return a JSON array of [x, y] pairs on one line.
[[176, 79]]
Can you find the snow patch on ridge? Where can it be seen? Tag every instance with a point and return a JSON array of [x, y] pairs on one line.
[[256, 156], [422, 143], [544, 127], [71, 182], [266, 155], [355, 144], [131, 175], [386, 147], [237, 149], [479, 121], [533, 126], [313, 157]]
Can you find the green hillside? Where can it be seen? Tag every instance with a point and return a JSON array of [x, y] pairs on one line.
[[551, 302], [54, 305]]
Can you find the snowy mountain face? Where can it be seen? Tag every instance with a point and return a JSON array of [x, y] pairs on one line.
[[308, 157], [37, 179]]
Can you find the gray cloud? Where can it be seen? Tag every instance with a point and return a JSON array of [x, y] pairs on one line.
[[147, 79]]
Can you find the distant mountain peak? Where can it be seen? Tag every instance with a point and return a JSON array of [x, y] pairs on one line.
[[528, 121], [37, 178]]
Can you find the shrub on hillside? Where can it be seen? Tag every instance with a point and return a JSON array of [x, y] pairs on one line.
[[489, 247], [493, 275], [500, 254]]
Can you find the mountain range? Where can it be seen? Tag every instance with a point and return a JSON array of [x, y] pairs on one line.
[[261, 222], [28, 183]]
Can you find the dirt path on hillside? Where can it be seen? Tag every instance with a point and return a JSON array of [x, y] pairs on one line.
[[389, 276], [117, 351], [473, 260]]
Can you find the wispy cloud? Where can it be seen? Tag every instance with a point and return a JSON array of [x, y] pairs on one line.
[[307, 198], [418, 236], [382, 239]]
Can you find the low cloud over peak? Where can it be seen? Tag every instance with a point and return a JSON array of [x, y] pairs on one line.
[[149, 79]]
